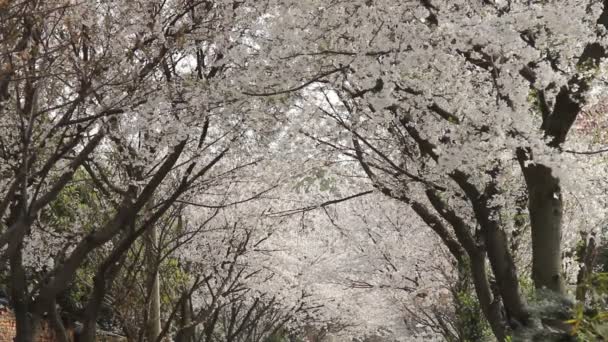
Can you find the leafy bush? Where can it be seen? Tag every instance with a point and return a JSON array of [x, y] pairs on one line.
[[590, 322]]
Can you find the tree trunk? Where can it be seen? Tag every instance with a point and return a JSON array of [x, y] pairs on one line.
[[587, 260], [186, 332], [61, 333], [490, 305], [153, 324], [545, 208], [505, 272], [25, 325], [94, 303], [470, 313], [102, 283]]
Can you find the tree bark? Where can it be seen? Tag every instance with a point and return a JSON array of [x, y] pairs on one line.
[[61, 334], [94, 303], [476, 263], [186, 331], [153, 324], [505, 272], [490, 306], [545, 208], [25, 325], [102, 283], [588, 260]]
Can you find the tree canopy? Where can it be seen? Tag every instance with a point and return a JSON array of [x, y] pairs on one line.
[[273, 170]]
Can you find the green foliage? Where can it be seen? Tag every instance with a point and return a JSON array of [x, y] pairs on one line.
[[317, 177], [174, 278], [587, 69], [73, 300], [76, 209], [72, 202], [278, 336], [534, 100], [527, 287], [590, 322], [587, 66], [469, 318]]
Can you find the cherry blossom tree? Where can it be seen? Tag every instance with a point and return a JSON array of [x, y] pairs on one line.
[[460, 110], [136, 95], [355, 253], [275, 165]]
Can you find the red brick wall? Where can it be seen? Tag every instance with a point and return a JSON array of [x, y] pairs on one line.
[[7, 325], [7, 328], [45, 332]]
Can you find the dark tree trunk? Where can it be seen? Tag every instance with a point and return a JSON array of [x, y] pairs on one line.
[[61, 334], [490, 305], [545, 208], [186, 332], [25, 325]]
